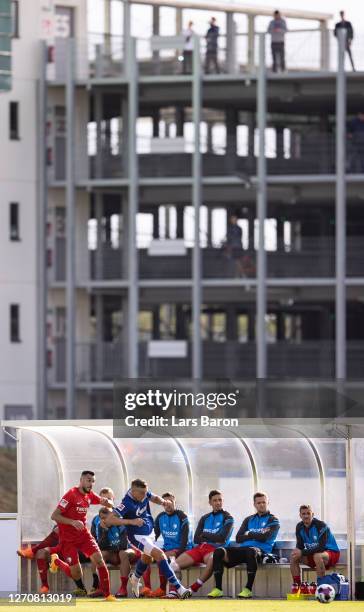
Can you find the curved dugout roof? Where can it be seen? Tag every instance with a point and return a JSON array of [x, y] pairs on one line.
[[291, 470]]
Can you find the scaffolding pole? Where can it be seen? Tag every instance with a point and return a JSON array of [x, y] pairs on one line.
[[70, 233], [196, 201], [261, 357], [340, 221], [133, 205], [42, 239]]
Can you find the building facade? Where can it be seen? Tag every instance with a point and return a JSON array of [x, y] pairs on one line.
[[128, 283]]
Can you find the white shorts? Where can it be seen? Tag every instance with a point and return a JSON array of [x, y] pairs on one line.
[[145, 543]]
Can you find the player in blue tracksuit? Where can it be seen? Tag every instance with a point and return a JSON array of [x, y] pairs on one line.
[[315, 545], [173, 525], [134, 512], [214, 529], [255, 538]]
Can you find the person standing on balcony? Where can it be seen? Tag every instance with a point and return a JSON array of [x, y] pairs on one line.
[[347, 26], [212, 37], [277, 30], [188, 48]]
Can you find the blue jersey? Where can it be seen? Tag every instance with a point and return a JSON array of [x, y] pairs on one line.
[[113, 538], [174, 528], [315, 538], [214, 528], [130, 508], [258, 531]]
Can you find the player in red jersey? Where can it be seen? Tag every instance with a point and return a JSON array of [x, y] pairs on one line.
[[70, 515]]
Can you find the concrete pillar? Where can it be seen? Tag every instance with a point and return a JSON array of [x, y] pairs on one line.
[[251, 46], [99, 314], [261, 363], [340, 221], [155, 118], [107, 26], [180, 119], [100, 245], [98, 110], [156, 21], [231, 119], [324, 46], [70, 233], [230, 43], [180, 211], [280, 141]]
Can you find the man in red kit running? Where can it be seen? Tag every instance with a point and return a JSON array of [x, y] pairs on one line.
[[70, 515]]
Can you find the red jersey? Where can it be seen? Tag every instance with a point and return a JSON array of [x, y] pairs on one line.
[[74, 505]]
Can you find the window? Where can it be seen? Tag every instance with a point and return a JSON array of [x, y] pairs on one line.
[[14, 121], [15, 18], [14, 323], [14, 221]]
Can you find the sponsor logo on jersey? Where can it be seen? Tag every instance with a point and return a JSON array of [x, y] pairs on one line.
[[140, 511]]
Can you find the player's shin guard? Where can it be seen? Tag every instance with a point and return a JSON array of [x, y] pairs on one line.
[[140, 568], [64, 567], [218, 566], [168, 572], [43, 571], [104, 579]]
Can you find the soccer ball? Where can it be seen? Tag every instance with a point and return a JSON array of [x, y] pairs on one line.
[[325, 593]]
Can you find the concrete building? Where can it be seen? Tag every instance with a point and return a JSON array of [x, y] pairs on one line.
[[129, 284]]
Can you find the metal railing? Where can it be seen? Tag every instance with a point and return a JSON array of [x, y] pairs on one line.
[[102, 55], [300, 152], [313, 257], [106, 361]]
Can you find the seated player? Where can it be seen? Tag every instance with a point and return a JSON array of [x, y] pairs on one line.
[[315, 546], [42, 554], [115, 549], [70, 515], [135, 507], [173, 526], [256, 537], [213, 530], [109, 494]]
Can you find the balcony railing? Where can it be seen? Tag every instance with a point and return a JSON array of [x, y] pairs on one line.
[[107, 361], [310, 153], [103, 55], [315, 258]]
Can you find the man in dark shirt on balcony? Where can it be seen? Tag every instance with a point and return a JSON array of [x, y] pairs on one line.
[[347, 26], [277, 29], [233, 244], [212, 37]]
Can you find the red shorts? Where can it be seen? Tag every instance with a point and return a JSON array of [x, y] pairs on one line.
[[85, 544], [334, 556], [199, 552]]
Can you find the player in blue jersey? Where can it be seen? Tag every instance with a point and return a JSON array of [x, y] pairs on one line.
[[172, 524], [255, 538], [135, 506], [213, 530], [315, 546]]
